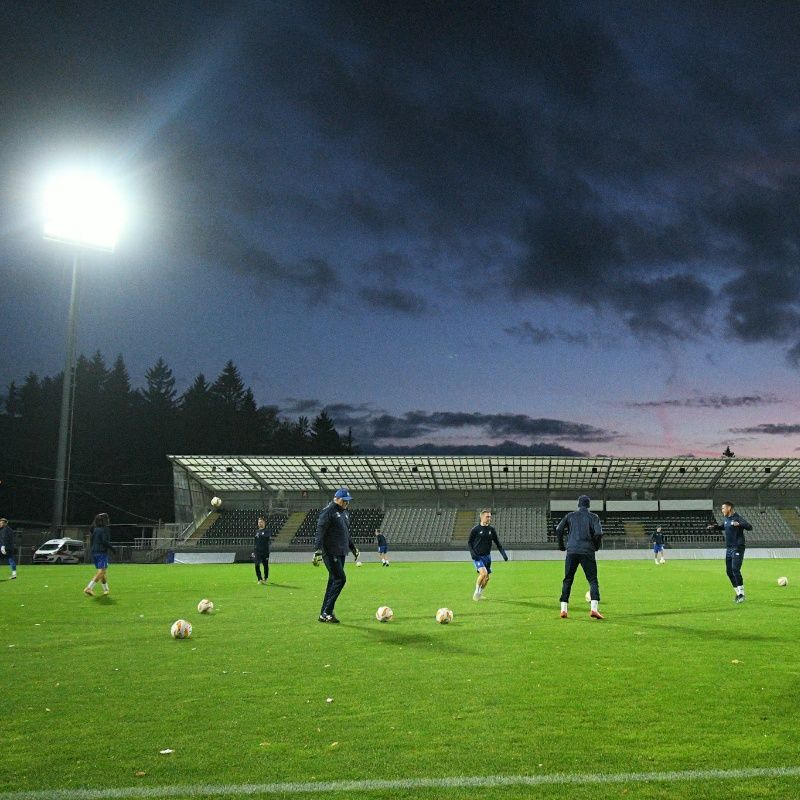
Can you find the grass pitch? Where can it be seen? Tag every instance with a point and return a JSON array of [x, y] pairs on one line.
[[677, 678]]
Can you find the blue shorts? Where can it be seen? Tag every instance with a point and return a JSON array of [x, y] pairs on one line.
[[384, 549], [484, 562], [657, 548], [100, 560]]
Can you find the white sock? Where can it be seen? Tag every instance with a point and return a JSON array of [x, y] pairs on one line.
[[91, 585], [595, 603], [105, 587], [740, 590], [564, 606]]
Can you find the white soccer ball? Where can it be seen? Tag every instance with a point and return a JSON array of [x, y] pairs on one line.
[[216, 502], [588, 597], [205, 606], [444, 615], [384, 614], [359, 563], [783, 581], [181, 629]]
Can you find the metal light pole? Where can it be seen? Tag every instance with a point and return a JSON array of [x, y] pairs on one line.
[[61, 488], [82, 210]]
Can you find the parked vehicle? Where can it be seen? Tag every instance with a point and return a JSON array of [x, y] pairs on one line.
[[60, 551]]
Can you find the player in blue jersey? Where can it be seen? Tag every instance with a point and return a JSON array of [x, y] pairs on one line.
[[734, 525], [657, 538], [383, 548], [585, 537], [480, 549], [101, 547]]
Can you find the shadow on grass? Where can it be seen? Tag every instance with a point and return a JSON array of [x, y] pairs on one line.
[[275, 585], [733, 636], [105, 600], [529, 604], [391, 635]]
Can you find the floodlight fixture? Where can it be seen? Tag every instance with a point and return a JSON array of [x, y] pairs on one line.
[[83, 209]]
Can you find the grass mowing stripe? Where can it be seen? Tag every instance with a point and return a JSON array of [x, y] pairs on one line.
[[201, 790]]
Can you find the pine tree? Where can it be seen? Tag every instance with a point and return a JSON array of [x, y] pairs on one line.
[[324, 436], [160, 391], [228, 389]]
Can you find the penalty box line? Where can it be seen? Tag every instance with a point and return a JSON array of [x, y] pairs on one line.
[[456, 782]]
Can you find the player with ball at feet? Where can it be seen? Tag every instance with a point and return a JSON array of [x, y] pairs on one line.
[[585, 536], [332, 542], [480, 549], [734, 525]]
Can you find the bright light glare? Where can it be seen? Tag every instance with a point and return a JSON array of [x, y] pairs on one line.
[[84, 210]]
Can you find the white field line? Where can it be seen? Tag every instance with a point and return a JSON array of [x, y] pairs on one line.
[[255, 789]]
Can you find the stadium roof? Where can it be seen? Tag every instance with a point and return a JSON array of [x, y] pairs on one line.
[[430, 473]]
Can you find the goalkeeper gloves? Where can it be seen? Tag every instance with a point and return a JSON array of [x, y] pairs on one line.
[[317, 558]]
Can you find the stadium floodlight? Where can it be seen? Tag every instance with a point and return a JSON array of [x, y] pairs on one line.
[[83, 209]]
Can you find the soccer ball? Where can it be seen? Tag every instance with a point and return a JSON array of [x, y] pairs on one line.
[[359, 563], [783, 581], [384, 614], [588, 597], [181, 629], [205, 606], [216, 502], [444, 615]]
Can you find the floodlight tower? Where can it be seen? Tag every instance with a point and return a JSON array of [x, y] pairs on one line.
[[83, 212]]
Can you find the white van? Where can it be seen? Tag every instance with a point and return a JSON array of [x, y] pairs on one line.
[[60, 551]]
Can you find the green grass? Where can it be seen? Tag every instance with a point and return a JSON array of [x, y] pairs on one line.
[[676, 678]]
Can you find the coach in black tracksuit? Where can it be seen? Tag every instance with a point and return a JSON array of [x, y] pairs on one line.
[[261, 549], [734, 525], [585, 536], [332, 543]]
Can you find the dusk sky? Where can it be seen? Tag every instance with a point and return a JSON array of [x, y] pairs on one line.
[[570, 226]]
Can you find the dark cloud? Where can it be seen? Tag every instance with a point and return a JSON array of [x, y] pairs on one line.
[[771, 429], [526, 332], [296, 405], [714, 401], [415, 424], [506, 448], [390, 299]]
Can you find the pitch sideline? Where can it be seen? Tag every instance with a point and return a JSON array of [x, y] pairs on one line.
[[227, 790]]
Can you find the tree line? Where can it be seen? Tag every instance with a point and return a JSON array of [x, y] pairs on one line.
[[121, 436]]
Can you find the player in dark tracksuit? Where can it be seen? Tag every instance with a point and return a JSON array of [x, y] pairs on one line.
[[332, 542], [585, 537], [8, 545], [734, 526], [261, 549], [480, 549]]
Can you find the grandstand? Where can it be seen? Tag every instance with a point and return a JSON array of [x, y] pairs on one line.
[[430, 502], [237, 526], [363, 522], [419, 527]]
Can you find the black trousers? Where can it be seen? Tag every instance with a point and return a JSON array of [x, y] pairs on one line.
[[589, 564], [262, 561], [336, 582], [733, 565]]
